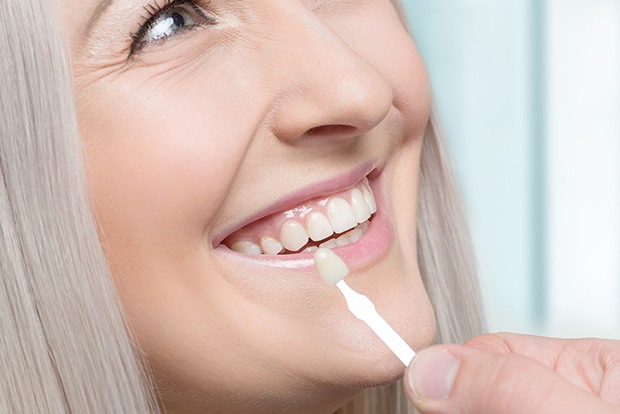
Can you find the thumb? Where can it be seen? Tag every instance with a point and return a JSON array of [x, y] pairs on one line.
[[462, 380]]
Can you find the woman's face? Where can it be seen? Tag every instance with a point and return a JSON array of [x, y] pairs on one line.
[[217, 130]]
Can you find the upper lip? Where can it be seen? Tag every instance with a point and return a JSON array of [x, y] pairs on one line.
[[323, 188]]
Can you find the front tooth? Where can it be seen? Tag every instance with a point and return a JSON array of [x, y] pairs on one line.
[[246, 247], [293, 236], [270, 245], [311, 249], [319, 227], [360, 206], [343, 240], [340, 215], [364, 226], [355, 234], [329, 244], [370, 199], [349, 237]]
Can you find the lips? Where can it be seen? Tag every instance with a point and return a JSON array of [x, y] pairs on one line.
[[338, 219]]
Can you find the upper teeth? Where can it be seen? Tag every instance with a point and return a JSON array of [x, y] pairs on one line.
[[317, 221]]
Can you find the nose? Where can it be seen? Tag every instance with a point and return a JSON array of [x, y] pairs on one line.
[[328, 88]]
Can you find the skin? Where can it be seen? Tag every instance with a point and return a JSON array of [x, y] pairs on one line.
[[520, 374], [193, 134]]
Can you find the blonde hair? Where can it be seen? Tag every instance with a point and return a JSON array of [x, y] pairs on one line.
[[65, 344]]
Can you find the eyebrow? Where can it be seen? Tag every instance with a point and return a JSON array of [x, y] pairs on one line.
[[99, 10]]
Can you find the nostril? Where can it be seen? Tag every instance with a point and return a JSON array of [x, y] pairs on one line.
[[332, 130]]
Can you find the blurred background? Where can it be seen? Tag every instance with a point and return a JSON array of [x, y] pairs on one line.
[[528, 97]]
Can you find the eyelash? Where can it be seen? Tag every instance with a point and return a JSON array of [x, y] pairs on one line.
[[154, 11]]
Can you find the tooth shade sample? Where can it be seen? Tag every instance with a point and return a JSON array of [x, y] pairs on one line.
[[270, 245], [293, 236], [331, 267], [318, 227], [360, 206], [340, 215], [246, 247]]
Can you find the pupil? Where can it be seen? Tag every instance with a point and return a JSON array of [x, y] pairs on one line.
[[178, 19]]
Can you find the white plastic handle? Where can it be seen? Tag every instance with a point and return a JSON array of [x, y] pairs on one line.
[[363, 309]]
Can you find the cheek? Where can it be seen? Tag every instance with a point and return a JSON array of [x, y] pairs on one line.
[[403, 65], [159, 166]]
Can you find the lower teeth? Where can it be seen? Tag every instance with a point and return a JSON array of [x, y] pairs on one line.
[[343, 239]]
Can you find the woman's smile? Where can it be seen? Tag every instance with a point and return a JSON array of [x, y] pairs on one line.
[[324, 218], [350, 219]]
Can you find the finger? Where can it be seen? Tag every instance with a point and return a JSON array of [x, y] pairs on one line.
[[458, 379], [542, 349], [592, 364]]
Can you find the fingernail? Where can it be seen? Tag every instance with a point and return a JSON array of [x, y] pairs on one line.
[[432, 374]]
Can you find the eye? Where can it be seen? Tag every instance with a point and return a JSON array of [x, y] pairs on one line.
[[169, 20]]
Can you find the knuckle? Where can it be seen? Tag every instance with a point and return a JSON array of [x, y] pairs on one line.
[[490, 342], [609, 372]]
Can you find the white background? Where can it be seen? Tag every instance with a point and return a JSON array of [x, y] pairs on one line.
[[528, 95]]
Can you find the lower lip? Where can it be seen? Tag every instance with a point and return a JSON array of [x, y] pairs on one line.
[[373, 246]]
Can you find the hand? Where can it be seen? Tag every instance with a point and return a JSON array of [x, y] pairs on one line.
[[517, 374]]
